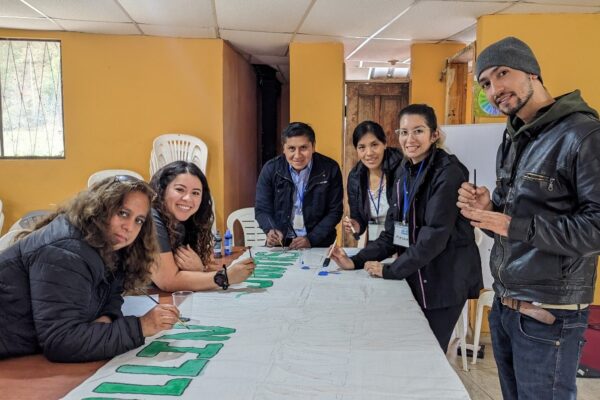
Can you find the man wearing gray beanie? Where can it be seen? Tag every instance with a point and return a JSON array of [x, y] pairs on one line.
[[543, 215]]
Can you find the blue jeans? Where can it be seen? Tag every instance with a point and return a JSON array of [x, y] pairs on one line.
[[535, 360]]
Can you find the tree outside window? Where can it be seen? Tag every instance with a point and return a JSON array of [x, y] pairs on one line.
[[31, 99]]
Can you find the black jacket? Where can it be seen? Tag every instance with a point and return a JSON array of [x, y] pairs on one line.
[[547, 181], [442, 265], [322, 207], [358, 186], [52, 286]]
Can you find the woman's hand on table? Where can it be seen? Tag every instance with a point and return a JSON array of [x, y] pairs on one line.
[[341, 258], [160, 318]]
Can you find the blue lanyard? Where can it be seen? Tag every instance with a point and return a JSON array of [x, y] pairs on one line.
[[378, 197], [407, 195], [300, 184]]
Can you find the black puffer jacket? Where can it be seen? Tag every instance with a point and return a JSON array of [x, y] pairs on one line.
[[322, 208], [52, 286], [547, 181], [357, 187], [442, 265]]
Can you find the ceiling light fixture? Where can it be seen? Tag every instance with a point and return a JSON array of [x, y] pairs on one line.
[[367, 40]]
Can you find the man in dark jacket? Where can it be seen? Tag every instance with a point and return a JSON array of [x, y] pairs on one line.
[[545, 218], [299, 193]]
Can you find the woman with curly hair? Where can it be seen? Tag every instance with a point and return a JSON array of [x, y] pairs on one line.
[[182, 213], [61, 283]]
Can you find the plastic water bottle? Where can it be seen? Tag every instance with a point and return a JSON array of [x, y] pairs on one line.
[[217, 249], [228, 243]]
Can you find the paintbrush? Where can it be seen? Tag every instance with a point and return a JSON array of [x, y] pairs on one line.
[[273, 228], [354, 233], [156, 301], [328, 258], [252, 258]]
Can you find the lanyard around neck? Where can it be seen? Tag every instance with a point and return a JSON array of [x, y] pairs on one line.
[[409, 194], [376, 207]]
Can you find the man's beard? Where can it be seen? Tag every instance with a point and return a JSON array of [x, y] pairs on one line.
[[521, 101]]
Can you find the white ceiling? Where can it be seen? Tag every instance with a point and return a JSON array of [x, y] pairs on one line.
[[372, 31]]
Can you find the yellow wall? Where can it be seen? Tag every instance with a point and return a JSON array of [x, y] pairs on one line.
[[239, 132], [119, 92], [427, 60], [566, 46], [317, 92]]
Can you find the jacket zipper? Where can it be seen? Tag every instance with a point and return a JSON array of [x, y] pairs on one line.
[[414, 218], [540, 178]]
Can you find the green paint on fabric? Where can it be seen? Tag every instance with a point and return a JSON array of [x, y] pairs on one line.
[[188, 368], [256, 283], [173, 387], [209, 333], [157, 347], [266, 275]]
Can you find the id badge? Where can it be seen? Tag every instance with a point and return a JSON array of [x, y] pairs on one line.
[[374, 230], [401, 234], [298, 221]]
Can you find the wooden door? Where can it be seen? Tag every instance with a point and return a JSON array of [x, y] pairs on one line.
[[379, 102]]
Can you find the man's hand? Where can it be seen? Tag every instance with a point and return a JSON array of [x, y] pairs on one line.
[[471, 197], [274, 238], [490, 220], [301, 242]]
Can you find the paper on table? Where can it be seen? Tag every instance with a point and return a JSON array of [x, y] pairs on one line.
[[137, 305]]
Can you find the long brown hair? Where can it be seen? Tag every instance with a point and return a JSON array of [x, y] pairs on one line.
[[198, 227], [90, 212]]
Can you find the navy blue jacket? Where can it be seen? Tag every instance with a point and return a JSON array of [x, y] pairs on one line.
[[442, 265], [322, 207], [52, 286]]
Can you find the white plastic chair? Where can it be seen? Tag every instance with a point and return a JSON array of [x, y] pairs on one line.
[[460, 333], [98, 176], [8, 239], [485, 300], [253, 235], [29, 220], [178, 147]]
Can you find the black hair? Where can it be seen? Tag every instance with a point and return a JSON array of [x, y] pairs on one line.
[[198, 227], [298, 129], [424, 111], [368, 127]]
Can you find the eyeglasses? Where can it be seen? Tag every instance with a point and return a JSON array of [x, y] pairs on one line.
[[125, 178], [415, 132]]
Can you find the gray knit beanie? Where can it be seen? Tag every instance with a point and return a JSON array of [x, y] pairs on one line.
[[509, 52]]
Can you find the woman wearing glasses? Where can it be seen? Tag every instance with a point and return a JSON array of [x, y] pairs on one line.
[[182, 213], [371, 180], [61, 284], [435, 245]]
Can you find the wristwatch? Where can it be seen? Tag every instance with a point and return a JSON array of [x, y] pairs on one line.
[[221, 278]]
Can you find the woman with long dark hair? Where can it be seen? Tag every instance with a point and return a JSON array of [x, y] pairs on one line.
[[62, 283], [182, 213]]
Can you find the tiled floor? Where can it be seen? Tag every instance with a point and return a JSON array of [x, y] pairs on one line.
[[482, 383]]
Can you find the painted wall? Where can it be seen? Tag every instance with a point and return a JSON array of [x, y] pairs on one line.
[[317, 92], [566, 46], [239, 132], [426, 65], [119, 93]]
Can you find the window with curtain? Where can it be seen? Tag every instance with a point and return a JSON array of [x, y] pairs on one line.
[[31, 99]]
